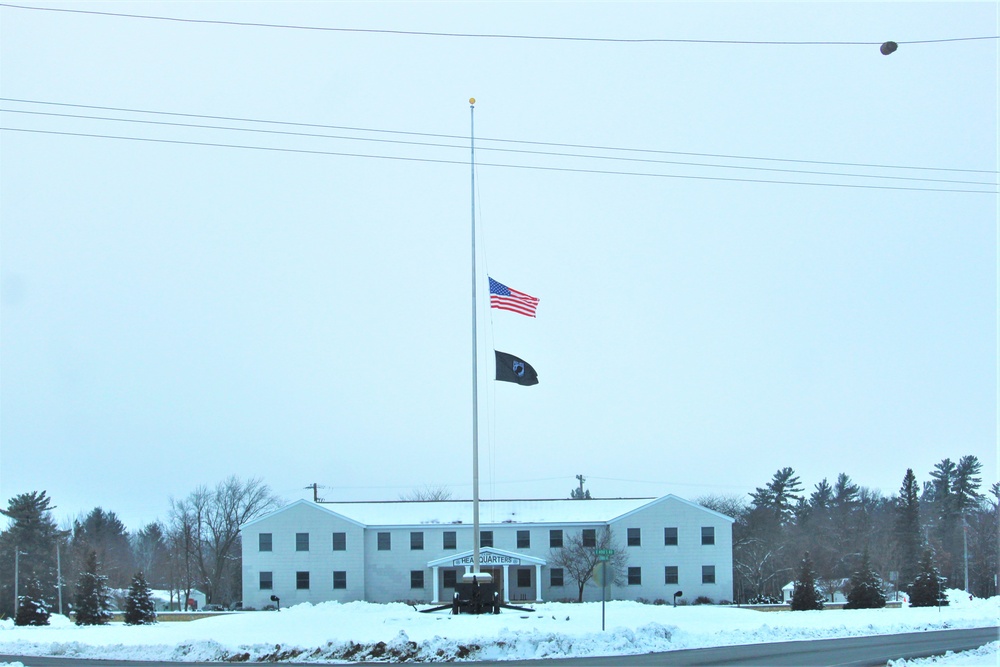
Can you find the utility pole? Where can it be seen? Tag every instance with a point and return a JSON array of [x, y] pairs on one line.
[[315, 487], [581, 495], [59, 578], [965, 547], [17, 554]]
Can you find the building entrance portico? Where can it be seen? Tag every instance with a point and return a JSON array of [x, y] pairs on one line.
[[495, 561]]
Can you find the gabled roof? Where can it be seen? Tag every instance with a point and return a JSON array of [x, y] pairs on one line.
[[491, 512], [670, 497], [298, 503]]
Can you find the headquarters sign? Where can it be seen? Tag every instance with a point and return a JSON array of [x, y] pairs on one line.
[[488, 558]]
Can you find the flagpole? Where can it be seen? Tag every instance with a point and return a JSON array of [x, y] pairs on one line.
[[475, 351]]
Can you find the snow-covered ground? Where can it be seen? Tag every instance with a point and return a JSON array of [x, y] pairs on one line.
[[358, 630]]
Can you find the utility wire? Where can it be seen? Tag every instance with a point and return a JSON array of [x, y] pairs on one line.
[[503, 150], [420, 33], [505, 141], [506, 166]]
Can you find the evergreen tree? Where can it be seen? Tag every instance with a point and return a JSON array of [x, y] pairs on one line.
[[928, 588], [31, 606], [779, 495], [867, 590], [907, 530], [33, 534], [139, 607], [152, 555], [966, 482], [806, 595], [92, 598], [104, 533]]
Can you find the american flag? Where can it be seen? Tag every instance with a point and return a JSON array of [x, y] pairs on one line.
[[505, 298]]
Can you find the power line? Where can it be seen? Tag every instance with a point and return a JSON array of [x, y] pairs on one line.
[[420, 33], [496, 140], [504, 150], [486, 164]]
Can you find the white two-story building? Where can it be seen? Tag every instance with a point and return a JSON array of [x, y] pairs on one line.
[[417, 550]]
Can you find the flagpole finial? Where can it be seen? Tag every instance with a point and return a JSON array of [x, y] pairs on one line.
[[472, 100]]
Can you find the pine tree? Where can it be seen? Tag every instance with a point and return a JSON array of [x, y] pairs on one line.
[[139, 607], [33, 534], [31, 606], [907, 530], [928, 588], [867, 590], [92, 599], [806, 596]]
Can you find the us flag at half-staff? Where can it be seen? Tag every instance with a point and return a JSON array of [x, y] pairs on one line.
[[505, 298]]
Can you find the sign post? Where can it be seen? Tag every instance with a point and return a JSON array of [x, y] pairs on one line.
[[603, 556]]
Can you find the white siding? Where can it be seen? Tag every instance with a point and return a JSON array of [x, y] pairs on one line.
[[384, 576], [689, 555], [283, 561]]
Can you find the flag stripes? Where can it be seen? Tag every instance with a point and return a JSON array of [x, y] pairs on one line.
[[505, 298]]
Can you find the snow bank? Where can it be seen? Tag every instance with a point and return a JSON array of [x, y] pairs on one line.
[[396, 632]]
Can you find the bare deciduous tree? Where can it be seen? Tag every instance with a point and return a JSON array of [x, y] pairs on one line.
[[427, 493], [209, 522], [579, 561]]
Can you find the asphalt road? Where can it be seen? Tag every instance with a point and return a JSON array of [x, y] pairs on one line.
[[853, 651]]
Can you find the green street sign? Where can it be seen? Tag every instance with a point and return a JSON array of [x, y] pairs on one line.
[[604, 552]]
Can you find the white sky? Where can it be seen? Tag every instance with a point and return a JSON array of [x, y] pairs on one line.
[[173, 314]]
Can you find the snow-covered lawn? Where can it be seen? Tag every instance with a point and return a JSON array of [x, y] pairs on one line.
[[358, 630]]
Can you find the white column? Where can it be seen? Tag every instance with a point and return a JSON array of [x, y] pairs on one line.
[[506, 584], [538, 583], [435, 598]]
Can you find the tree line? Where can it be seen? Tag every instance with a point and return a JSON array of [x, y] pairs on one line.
[[196, 548], [839, 525]]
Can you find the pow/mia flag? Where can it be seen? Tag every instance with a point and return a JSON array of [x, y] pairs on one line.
[[512, 369]]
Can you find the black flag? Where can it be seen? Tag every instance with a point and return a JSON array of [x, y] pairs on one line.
[[512, 369]]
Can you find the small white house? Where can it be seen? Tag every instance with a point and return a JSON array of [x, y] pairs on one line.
[[833, 592], [417, 550], [162, 600]]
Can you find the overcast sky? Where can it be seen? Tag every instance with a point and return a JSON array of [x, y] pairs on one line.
[[175, 313]]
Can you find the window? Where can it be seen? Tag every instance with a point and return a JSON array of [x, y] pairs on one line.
[[416, 541], [524, 539], [302, 581], [671, 575], [590, 537], [670, 537], [266, 581], [556, 576], [523, 578], [339, 579], [302, 541], [707, 535], [634, 537], [486, 538], [708, 574], [449, 541], [635, 576], [555, 539], [340, 541], [450, 578], [384, 541], [264, 541], [416, 578]]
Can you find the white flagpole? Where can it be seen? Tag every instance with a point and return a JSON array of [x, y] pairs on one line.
[[475, 353]]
